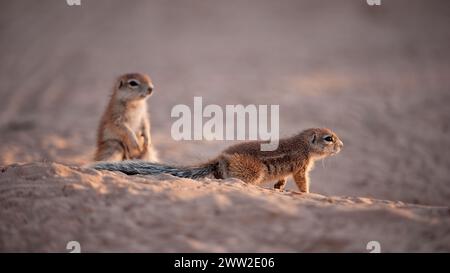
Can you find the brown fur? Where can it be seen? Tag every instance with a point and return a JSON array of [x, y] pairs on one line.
[[295, 156], [124, 130]]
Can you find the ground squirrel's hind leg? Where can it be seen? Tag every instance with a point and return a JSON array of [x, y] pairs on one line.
[[246, 168], [302, 181], [111, 150], [281, 184]]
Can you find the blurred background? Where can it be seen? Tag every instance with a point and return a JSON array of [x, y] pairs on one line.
[[379, 76]]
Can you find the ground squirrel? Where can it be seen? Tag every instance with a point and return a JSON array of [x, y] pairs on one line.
[[124, 130], [295, 156]]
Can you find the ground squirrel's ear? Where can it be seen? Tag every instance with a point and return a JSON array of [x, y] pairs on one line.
[[120, 84], [313, 138]]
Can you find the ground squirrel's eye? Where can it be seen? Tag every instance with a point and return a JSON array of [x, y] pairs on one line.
[[328, 138], [133, 83]]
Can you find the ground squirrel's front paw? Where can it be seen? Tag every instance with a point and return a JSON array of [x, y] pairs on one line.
[[143, 155], [280, 185], [135, 151]]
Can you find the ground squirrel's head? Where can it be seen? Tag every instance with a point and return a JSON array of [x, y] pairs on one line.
[[322, 142], [134, 86]]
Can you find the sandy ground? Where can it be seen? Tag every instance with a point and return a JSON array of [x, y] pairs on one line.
[[378, 76], [46, 205]]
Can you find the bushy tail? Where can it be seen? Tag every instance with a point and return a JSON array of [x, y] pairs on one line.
[[133, 167]]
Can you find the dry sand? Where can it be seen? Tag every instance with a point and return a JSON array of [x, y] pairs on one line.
[[378, 76], [46, 205]]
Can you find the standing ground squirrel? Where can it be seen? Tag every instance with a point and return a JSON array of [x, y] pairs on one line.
[[124, 130], [295, 156]]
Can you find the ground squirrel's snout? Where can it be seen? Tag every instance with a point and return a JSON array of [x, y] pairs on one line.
[[338, 147]]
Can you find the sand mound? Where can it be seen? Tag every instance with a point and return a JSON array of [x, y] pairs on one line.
[[46, 205]]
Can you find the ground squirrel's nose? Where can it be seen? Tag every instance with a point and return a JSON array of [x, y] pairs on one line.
[[150, 88], [341, 143]]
